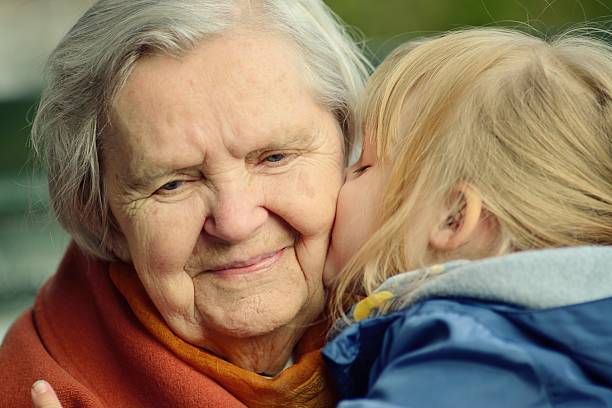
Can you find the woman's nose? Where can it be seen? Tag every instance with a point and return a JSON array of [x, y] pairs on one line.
[[236, 215]]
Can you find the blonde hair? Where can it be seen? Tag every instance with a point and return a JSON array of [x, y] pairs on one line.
[[525, 121]]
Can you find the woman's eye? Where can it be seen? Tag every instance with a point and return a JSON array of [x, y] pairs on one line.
[[171, 186], [268, 160], [277, 159], [274, 158]]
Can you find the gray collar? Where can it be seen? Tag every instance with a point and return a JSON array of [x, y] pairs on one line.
[[533, 279]]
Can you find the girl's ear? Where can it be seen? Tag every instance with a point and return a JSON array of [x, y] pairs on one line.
[[458, 224]]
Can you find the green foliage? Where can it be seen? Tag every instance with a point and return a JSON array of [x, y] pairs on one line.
[[386, 23], [14, 135]]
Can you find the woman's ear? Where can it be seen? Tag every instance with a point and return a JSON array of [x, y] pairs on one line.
[[117, 243], [456, 225]]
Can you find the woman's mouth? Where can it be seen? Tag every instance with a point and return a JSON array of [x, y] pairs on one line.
[[250, 265]]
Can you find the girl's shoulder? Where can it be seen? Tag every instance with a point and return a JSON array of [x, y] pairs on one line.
[[466, 343], [464, 340]]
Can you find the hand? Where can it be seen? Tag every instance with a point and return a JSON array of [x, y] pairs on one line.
[[43, 396]]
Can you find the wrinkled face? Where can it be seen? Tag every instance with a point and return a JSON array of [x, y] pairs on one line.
[[357, 209], [223, 172]]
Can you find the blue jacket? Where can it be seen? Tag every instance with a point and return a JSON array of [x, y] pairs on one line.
[[530, 329]]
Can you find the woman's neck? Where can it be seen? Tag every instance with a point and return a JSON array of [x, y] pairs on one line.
[[267, 355]]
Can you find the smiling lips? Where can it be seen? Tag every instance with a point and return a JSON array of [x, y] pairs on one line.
[[250, 265]]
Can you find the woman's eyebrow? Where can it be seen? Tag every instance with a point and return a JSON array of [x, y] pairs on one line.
[[300, 138], [291, 138], [149, 176]]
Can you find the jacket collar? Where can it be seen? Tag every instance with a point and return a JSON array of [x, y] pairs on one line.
[[531, 279]]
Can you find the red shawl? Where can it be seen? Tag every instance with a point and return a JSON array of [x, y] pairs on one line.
[[99, 350]]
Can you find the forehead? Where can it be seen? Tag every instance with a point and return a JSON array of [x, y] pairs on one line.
[[229, 95]]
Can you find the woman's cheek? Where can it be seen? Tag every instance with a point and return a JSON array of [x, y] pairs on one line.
[[167, 233], [307, 207]]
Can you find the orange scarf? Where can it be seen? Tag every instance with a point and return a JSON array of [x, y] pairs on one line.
[[301, 385], [97, 350]]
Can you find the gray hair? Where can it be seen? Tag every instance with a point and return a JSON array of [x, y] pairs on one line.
[[95, 58]]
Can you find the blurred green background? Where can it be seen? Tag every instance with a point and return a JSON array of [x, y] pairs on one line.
[[31, 243], [387, 23]]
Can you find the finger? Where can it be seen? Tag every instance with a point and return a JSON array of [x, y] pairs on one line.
[[43, 396]]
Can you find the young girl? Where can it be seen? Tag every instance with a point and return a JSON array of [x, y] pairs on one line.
[[480, 147]]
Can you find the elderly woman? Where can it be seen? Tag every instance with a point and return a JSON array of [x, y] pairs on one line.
[[194, 151]]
